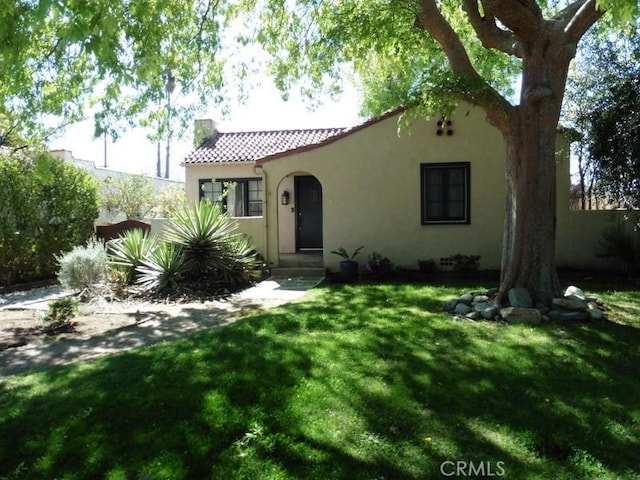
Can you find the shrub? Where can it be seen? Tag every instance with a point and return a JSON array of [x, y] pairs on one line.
[[427, 266], [465, 263], [130, 194], [170, 200], [84, 267], [46, 207], [61, 312], [617, 243], [127, 252], [377, 265]]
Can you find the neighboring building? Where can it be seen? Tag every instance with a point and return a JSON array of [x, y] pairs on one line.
[[103, 174], [430, 191]]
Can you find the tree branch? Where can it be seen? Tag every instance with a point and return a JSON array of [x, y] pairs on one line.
[[430, 19], [488, 31], [580, 15], [523, 17]]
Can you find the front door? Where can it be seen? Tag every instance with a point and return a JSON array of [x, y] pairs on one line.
[[308, 213]]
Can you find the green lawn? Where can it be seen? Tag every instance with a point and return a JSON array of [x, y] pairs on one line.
[[358, 382]]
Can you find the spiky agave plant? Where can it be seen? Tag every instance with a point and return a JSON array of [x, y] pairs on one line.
[[127, 251], [163, 269], [216, 254]]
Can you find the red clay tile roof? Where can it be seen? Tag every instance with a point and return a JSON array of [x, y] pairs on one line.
[[262, 146], [251, 146]]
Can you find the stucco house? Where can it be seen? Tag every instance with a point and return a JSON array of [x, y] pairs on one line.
[[428, 191]]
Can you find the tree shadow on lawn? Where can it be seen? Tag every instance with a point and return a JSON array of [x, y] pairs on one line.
[[354, 383], [542, 400]]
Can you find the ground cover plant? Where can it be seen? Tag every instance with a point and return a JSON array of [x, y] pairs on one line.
[[356, 382]]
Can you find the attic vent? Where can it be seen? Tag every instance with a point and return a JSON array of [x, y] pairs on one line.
[[444, 126], [446, 262]]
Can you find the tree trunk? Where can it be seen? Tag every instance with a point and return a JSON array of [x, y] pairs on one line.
[[528, 251]]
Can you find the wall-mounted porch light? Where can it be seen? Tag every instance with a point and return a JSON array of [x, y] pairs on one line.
[[285, 198]]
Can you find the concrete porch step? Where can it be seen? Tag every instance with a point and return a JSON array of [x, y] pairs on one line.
[[290, 260], [290, 272]]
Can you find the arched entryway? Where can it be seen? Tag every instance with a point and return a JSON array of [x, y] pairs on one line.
[[308, 210], [299, 214]]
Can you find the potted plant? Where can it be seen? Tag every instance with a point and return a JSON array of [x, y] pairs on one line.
[[348, 266]]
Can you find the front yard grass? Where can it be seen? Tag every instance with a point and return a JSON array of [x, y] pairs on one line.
[[357, 382]]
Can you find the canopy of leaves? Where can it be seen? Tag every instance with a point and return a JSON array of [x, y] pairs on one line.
[[57, 55], [396, 62], [130, 194]]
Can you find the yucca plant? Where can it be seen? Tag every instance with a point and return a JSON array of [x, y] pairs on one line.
[[163, 268], [127, 251], [215, 253]]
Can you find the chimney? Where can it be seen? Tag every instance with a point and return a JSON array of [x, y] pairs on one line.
[[203, 129]]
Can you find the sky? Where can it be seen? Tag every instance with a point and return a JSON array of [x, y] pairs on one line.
[[264, 110]]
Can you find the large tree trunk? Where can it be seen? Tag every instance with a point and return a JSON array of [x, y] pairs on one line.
[[528, 251], [545, 48]]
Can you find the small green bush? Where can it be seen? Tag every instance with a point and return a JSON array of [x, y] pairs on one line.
[[84, 267], [61, 312], [616, 242], [465, 263]]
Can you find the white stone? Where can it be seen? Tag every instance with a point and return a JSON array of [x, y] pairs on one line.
[[574, 291]]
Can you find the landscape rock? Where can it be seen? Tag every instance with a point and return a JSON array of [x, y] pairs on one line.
[[595, 314], [489, 313], [519, 298], [480, 299], [467, 298], [577, 300], [473, 315], [450, 305], [573, 303], [462, 309], [529, 316], [480, 306], [559, 315], [573, 291]]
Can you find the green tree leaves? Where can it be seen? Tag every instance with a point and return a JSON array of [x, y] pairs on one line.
[[130, 194]]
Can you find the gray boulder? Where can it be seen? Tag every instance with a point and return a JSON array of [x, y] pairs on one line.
[[473, 315], [480, 306], [462, 309], [466, 298], [595, 314], [560, 315], [450, 305], [529, 316], [520, 297], [489, 312], [573, 303]]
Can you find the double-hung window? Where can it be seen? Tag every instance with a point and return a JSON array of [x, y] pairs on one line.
[[445, 192], [240, 197]]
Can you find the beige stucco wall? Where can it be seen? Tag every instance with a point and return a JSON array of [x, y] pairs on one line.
[[371, 196], [371, 191]]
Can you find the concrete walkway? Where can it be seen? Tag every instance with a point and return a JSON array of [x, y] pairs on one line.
[[158, 322]]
